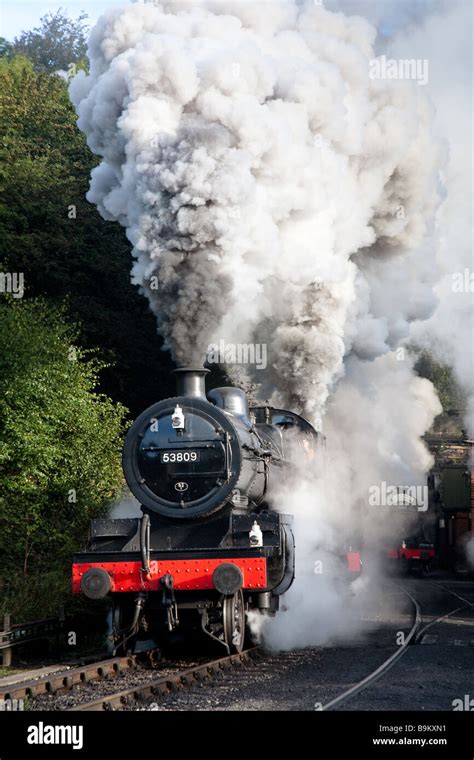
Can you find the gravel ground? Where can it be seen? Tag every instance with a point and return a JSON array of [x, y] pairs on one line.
[[438, 670], [429, 676], [301, 680], [424, 679]]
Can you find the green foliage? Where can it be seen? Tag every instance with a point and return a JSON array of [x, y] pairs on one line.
[[57, 43], [6, 48], [442, 377], [57, 239], [56, 434], [60, 441], [37, 595]]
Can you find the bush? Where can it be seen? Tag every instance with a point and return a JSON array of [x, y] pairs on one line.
[[60, 441]]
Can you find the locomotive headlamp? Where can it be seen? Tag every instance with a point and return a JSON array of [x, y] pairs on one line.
[[96, 583], [227, 578], [177, 420]]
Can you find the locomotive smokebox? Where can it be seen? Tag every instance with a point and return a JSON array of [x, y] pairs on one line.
[[190, 382]]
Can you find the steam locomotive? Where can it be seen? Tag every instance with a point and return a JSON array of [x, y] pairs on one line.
[[410, 548], [209, 547]]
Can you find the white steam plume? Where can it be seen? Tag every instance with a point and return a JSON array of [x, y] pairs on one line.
[[250, 156], [446, 41], [273, 192], [374, 424]]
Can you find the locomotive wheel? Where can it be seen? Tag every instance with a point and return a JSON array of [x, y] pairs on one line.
[[234, 621]]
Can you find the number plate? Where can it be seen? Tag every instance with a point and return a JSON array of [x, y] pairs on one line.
[[179, 457]]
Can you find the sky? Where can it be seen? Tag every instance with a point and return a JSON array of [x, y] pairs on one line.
[[19, 15]]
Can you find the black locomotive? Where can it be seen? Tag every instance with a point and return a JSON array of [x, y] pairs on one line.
[[209, 546]]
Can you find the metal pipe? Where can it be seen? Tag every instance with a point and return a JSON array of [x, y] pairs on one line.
[[132, 629], [190, 382], [145, 542]]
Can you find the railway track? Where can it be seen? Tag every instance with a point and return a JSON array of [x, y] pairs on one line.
[[65, 680], [189, 677], [139, 685], [415, 635], [386, 665], [467, 605], [166, 684]]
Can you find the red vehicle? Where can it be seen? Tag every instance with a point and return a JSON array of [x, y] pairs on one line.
[[414, 555]]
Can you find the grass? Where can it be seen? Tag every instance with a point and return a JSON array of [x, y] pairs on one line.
[[8, 671]]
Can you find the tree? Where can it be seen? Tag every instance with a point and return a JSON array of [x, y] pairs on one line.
[[443, 379], [57, 43], [6, 48], [58, 240], [60, 441]]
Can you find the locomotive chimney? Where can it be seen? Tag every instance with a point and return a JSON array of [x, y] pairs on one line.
[[190, 382]]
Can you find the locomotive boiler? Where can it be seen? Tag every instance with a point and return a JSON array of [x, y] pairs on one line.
[[209, 546]]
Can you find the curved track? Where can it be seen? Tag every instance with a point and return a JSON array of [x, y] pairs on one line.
[[139, 685], [467, 604], [386, 665], [414, 637]]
